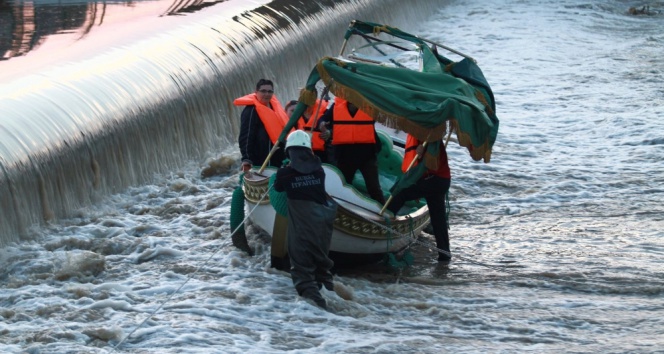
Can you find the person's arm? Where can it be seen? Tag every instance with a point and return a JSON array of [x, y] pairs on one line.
[[278, 181], [247, 137], [420, 150], [325, 123], [379, 143]]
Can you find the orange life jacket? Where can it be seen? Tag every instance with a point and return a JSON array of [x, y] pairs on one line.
[[317, 144], [411, 151], [274, 119], [349, 129]]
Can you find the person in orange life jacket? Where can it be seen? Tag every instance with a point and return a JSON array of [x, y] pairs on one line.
[[432, 186], [311, 214], [306, 123], [290, 107], [355, 144], [261, 122]]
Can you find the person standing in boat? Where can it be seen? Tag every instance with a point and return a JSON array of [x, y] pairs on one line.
[[290, 107], [433, 187], [261, 122], [355, 144], [306, 123], [311, 214]]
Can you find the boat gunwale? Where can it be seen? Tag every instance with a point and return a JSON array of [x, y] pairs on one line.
[[375, 227]]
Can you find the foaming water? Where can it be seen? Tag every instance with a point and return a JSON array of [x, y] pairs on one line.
[[557, 242]]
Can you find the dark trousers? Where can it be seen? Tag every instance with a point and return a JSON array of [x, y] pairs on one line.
[[322, 155], [310, 227], [433, 189], [369, 169]]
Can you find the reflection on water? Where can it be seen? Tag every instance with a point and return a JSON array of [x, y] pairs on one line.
[[25, 25], [188, 6]]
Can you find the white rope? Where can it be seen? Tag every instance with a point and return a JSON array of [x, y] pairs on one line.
[[387, 228], [498, 268], [193, 273]]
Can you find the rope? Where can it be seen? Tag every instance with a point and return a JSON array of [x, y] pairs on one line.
[[392, 231], [407, 258], [190, 275], [498, 268], [387, 228], [570, 216]]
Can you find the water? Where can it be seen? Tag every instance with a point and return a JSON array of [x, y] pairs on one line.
[[557, 242]]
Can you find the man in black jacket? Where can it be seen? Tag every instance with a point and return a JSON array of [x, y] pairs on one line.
[[351, 155], [311, 216], [255, 141]]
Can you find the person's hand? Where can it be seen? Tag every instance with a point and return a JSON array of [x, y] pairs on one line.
[[246, 167], [420, 150], [324, 132]]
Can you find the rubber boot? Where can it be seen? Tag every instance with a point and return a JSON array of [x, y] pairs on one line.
[[316, 297]]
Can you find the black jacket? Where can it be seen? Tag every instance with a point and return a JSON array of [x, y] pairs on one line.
[[255, 144]]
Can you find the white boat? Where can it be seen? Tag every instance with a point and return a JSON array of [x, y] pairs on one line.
[[361, 232], [442, 96]]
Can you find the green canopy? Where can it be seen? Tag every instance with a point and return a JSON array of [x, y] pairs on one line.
[[419, 103]]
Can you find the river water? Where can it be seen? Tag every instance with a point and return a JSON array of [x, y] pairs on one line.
[[558, 242]]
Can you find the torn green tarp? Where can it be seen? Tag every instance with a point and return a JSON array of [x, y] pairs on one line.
[[419, 103], [411, 176]]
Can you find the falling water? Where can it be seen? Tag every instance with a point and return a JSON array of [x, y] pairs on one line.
[[142, 98]]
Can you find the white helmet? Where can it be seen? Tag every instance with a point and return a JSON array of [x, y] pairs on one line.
[[298, 138]]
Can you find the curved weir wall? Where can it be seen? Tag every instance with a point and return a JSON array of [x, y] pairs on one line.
[[98, 124]]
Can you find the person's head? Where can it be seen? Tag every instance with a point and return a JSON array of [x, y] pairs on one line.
[[298, 139], [290, 107], [264, 90], [298, 150]]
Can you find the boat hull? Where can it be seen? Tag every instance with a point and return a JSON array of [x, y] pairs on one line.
[[359, 230]]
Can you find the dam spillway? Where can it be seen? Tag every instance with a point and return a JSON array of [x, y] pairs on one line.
[[118, 96]]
